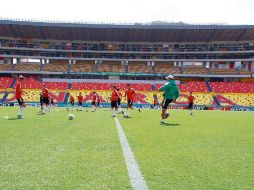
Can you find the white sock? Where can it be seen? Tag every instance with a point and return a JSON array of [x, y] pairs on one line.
[[113, 112], [20, 111]]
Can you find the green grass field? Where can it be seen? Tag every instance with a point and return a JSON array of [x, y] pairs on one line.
[[209, 150]]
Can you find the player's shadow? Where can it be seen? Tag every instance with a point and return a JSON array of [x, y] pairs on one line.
[[171, 124], [13, 118]]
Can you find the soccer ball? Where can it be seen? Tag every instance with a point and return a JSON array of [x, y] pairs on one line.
[[70, 116], [126, 115]]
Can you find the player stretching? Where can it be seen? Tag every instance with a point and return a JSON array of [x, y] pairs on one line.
[[129, 94], [170, 94], [191, 102], [94, 101], [80, 100], [19, 91], [114, 98], [45, 99]]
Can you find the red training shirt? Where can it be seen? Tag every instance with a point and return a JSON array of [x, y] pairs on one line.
[[191, 99], [19, 90], [129, 93]]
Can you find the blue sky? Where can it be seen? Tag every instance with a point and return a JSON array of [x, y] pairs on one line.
[[117, 11]]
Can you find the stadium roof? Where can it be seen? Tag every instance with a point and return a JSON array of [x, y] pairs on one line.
[[125, 32]]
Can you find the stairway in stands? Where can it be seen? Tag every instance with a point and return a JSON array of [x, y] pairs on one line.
[[66, 96], [214, 96], [7, 93]]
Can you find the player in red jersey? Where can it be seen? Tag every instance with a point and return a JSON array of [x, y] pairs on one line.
[[19, 93], [80, 100], [71, 101], [45, 99], [94, 101], [130, 95], [155, 103], [98, 101], [191, 102], [114, 98], [119, 101], [52, 103]]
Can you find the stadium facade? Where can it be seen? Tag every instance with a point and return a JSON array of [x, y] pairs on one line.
[[132, 51]]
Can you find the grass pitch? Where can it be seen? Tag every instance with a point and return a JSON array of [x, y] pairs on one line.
[[209, 150]]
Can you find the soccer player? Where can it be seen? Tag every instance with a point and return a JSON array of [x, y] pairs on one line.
[[80, 100], [119, 101], [52, 104], [94, 101], [45, 99], [114, 98], [98, 101], [19, 93], [129, 94], [71, 101], [41, 102], [191, 102], [170, 94], [155, 103]]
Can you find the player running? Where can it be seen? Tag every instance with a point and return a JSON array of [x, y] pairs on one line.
[[129, 94], [41, 102], [71, 101], [155, 103], [98, 101], [94, 101], [191, 102], [119, 101], [80, 100], [170, 94], [114, 98], [52, 103], [19, 94], [45, 99]]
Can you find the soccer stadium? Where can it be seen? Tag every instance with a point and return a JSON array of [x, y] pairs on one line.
[[75, 141]]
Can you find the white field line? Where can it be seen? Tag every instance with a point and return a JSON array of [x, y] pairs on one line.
[[136, 179]]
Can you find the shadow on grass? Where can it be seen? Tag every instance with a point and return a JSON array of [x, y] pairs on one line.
[[170, 124], [14, 118]]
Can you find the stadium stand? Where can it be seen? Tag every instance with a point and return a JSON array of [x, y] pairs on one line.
[[83, 66], [5, 82], [56, 66], [223, 71], [232, 87], [111, 67], [166, 68], [195, 70], [139, 67], [28, 67], [6, 67]]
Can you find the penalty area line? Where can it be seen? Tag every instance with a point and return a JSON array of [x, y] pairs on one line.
[[136, 179]]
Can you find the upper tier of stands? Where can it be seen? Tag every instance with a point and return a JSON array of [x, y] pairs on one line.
[[28, 67], [165, 68], [139, 68], [111, 67], [195, 70], [224, 72], [83, 66], [56, 66]]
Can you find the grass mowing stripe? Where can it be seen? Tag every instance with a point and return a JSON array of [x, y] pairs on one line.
[[136, 179]]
